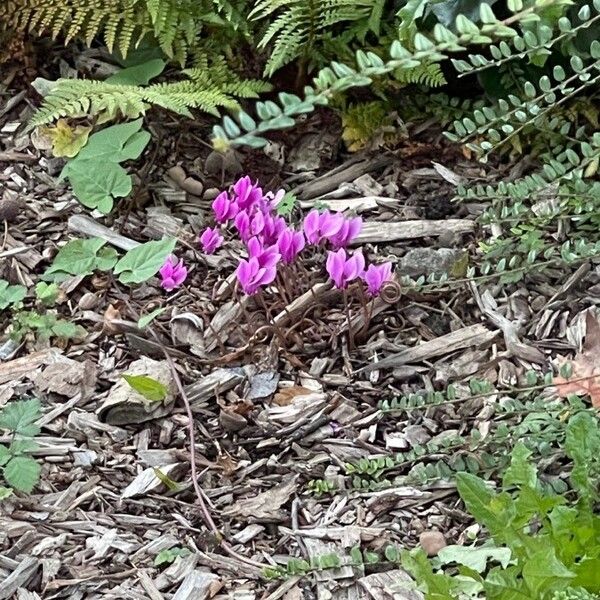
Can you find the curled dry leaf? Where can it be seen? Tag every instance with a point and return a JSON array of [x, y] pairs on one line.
[[585, 366], [285, 396]]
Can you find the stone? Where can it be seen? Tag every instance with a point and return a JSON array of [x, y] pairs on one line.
[[424, 261], [432, 542]]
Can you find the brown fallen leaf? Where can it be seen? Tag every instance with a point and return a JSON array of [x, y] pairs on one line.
[[585, 366], [285, 396], [265, 506]]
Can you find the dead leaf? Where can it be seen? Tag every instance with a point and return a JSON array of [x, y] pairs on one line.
[[585, 367], [111, 316], [67, 141], [266, 505], [67, 377], [285, 396]]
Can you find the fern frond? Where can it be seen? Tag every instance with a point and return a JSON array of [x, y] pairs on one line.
[[120, 23], [205, 88], [427, 74], [297, 24]]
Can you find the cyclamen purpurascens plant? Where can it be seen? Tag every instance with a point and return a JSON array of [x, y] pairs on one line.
[[272, 244]]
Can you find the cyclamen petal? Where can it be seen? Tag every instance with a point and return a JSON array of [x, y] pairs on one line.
[[375, 276], [172, 273], [224, 208], [210, 239], [347, 233], [311, 227], [242, 224], [342, 269], [247, 193], [354, 266], [330, 224], [290, 244]]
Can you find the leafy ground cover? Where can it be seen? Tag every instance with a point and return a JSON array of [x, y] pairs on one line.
[[313, 348]]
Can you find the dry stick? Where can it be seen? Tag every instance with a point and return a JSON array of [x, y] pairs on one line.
[[199, 493], [350, 333]]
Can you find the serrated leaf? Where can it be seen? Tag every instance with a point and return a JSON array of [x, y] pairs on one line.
[[77, 257], [149, 388], [286, 205], [46, 293], [520, 472], [543, 571], [144, 261], [10, 294], [68, 331], [474, 558], [19, 417], [5, 493], [22, 473]]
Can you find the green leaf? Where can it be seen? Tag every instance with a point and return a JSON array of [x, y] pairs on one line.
[[22, 473], [543, 571], [285, 207], [144, 261], [582, 445], [68, 331], [95, 173], [22, 445], [10, 294], [46, 293], [78, 257], [138, 74], [149, 388], [520, 472], [474, 558], [166, 480], [144, 321], [19, 417], [169, 555], [5, 455], [5, 493]]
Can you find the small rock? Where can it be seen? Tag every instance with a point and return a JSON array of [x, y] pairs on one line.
[[217, 162], [192, 186], [432, 542], [10, 208], [424, 261], [211, 193], [88, 301], [177, 174]]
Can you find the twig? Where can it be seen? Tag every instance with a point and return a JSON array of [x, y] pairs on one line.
[[194, 473]]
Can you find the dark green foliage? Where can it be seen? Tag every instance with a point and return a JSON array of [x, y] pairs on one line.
[[557, 558], [19, 470]]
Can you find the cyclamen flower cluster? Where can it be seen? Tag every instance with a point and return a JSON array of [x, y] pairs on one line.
[[270, 241]]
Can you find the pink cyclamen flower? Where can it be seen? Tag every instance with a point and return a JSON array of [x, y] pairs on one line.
[[318, 226], [348, 231], [224, 208], [252, 276], [375, 276], [172, 273], [342, 269], [273, 228], [267, 256], [247, 225], [246, 192], [210, 239], [290, 244]]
